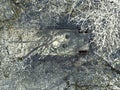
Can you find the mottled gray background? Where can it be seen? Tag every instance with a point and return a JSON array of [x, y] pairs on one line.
[[98, 70]]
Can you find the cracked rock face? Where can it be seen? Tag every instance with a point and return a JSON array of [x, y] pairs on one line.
[[39, 44]]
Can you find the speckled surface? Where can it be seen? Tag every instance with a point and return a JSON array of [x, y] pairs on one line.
[[26, 64]]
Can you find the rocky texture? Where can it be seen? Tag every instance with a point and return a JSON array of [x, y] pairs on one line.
[[98, 70]]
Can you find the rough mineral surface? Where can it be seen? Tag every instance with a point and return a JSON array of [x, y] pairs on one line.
[[25, 60]]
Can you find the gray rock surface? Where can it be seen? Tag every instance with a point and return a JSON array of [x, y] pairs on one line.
[[23, 20]]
